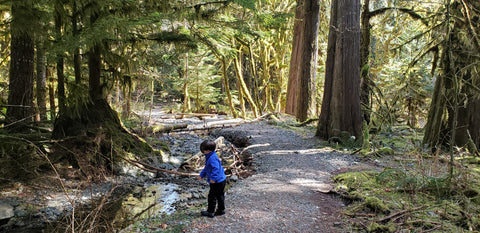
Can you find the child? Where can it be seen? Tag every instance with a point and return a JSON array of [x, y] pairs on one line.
[[216, 178]]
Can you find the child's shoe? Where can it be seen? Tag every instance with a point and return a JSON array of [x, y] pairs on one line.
[[207, 214], [219, 213]]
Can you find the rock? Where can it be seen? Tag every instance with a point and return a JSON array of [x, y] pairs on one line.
[[234, 178], [239, 138], [6, 211]]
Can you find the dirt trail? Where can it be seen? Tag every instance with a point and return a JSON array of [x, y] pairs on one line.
[[283, 195]]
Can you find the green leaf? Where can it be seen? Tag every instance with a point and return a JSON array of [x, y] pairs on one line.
[[249, 4]]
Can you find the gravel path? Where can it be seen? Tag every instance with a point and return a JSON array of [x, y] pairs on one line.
[[283, 195]]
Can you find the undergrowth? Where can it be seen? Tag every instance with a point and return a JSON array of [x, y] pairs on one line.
[[411, 190]]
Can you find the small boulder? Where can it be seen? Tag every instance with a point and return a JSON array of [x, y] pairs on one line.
[[6, 211]]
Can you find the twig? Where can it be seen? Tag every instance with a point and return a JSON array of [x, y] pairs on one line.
[[385, 219], [143, 211], [150, 168], [433, 229]]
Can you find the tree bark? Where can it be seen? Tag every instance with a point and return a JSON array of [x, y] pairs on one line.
[[77, 59], [308, 67], [20, 89], [295, 60], [226, 84], [94, 69], [60, 62], [365, 81], [341, 102], [41, 81], [186, 95], [242, 85], [127, 96], [51, 94]]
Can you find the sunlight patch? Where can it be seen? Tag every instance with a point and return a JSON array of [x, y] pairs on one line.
[[311, 183]]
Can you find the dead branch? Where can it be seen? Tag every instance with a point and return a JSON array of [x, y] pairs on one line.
[[359, 215], [306, 122], [400, 213], [152, 169], [433, 229]]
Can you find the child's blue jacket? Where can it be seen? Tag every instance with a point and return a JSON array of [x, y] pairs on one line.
[[213, 168]]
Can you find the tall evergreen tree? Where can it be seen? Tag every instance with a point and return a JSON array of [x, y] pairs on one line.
[[341, 101], [453, 117], [20, 96], [308, 67], [295, 60]]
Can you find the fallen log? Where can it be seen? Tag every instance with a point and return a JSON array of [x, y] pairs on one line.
[[163, 128]]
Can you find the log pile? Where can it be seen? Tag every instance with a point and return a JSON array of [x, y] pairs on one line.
[[235, 162]]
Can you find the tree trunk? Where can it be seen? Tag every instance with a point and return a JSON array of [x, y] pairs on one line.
[[186, 95], [253, 71], [226, 83], [60, 63], [77, 60], [308, 67], [51, 94], [453, 114], [41, 81], [341, 113], [94, 68], [365, 81], [242, 84], [127, 96], [295, 60], [20, 89]]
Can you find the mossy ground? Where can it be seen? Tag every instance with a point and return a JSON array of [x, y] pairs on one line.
[[412, 191]]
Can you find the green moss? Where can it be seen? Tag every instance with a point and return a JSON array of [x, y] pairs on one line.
[[376, 205], [19, 160], [386, 151], [376, 227], [353, 180]]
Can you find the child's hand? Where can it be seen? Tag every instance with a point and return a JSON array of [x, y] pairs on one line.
[[211, 181], [199, 178]]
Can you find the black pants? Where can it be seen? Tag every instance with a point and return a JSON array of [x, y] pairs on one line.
[[216, 195]]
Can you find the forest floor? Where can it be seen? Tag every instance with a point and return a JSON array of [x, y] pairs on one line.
[[286, 192]]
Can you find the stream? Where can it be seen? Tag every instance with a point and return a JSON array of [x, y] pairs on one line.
[[121, 201]]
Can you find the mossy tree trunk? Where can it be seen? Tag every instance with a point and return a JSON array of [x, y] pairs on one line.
[[365, 81], [241, 82], [453, 114], [226, 84]]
